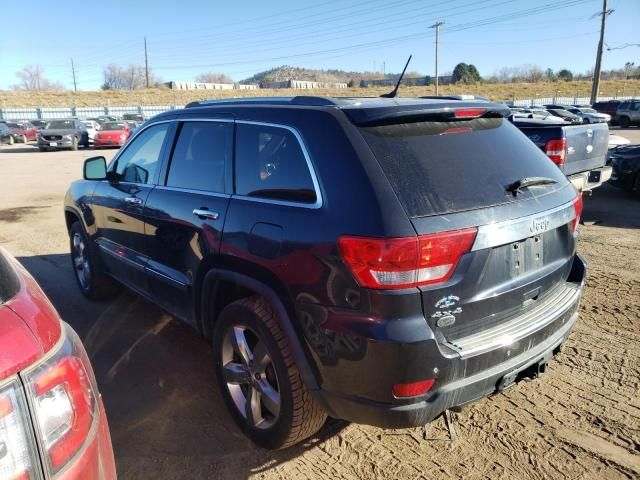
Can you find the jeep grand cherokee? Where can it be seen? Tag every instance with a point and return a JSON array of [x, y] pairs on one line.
[[375, 260]]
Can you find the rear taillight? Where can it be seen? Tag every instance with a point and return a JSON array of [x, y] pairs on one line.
[[62, 391], [18, 454], [393, 263], [556, 150], [577, 207]]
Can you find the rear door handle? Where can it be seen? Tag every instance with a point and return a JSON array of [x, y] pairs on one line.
[[133, 201], [202, 213]]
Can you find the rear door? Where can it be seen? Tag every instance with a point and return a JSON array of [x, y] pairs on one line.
[[118, 206], [457, 175], [185, 214]]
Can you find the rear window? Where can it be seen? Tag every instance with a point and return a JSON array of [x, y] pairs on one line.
[[444, 167], [9, 283]]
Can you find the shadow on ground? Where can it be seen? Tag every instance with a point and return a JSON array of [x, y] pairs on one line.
[[166, 416], [609, 206]]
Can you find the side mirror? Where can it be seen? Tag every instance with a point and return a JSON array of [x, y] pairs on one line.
[[95, 168]]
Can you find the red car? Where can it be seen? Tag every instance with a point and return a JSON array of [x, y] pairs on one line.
[[112, 134], [52, 419], [23, 131]]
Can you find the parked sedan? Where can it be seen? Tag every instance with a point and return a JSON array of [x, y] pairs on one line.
[[23, 131], [5, 134], [52, 418], [626, 168], [92, 128], [565, 115], [589, 115], [113, 134]]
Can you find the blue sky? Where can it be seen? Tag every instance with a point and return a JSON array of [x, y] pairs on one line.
[[240, 38]]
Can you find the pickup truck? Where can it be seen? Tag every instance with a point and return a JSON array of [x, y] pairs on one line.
[[580, 151]]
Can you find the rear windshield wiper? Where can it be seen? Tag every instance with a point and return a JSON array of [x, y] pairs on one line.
[[527, 182]]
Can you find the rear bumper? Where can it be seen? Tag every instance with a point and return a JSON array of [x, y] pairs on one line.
[[585, 181], [454, 386]]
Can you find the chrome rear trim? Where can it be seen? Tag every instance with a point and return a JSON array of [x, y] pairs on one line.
[[502, 233], [552, 308]]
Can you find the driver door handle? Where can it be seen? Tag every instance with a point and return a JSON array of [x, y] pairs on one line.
[[202, 213], [133, 201]]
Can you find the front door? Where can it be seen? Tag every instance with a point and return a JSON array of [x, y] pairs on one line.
[[119, 203], [185, 214]]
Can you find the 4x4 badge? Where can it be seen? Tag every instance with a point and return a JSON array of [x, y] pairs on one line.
[[448, 301]]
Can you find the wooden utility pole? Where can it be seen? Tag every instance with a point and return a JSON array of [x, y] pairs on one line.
[[437, 27], [146, 62], [595, 87], [73, 72]]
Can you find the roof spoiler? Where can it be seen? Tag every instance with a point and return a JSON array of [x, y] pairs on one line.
[[463, 111]]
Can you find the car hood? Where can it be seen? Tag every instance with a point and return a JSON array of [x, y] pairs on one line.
[[58, 131], [29, 324]]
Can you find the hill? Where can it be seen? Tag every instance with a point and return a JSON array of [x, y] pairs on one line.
[[286, 72]]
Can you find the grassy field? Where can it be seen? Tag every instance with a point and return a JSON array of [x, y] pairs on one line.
[[114, 98]]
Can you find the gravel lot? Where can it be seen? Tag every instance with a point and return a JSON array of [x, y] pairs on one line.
[[581, 420]]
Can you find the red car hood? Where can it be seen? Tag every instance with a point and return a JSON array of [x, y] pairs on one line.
[[29, 324], [111, 134]]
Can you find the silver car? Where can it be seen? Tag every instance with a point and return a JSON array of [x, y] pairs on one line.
[[628, 113], [589, 115]]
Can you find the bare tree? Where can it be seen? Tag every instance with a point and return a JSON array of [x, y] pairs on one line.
[[212, 77], [32, 78], [132, 77]]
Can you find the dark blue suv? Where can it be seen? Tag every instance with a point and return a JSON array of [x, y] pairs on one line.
[[375, 260]]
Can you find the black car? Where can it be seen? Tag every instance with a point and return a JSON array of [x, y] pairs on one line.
[[609, 107], [5, 134], [559, 111], [375, 260], [625, 161], [39, 124], [66, 133]]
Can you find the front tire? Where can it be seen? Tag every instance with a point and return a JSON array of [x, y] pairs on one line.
[[258, 377], [624, 122], [87, 267]]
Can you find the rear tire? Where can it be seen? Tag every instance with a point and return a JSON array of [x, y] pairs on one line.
[[87, 267], [281, 411], [624, 122], [23, 139]]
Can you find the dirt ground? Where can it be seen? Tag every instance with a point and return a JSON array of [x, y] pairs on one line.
[[580, 420]]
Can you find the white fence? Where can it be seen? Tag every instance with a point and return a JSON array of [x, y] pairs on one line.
[[539, 101], [81, 112]]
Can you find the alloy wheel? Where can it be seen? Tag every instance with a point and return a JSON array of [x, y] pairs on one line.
[[250, 376], [81, 261]]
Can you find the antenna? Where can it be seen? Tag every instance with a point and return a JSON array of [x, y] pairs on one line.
[[394, 92]]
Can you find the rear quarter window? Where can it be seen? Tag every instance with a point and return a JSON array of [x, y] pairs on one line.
[[9, 282], [444, 167]]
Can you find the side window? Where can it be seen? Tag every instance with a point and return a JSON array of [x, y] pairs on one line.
[[200, 155], [139, 161], [270, 164]]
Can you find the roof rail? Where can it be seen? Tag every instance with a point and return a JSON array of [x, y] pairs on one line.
[[297, 100]]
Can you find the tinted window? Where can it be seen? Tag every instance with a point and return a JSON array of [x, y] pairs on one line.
[[444, 167], [199, 158], [139, 161], [270, 164], [9, 283]]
